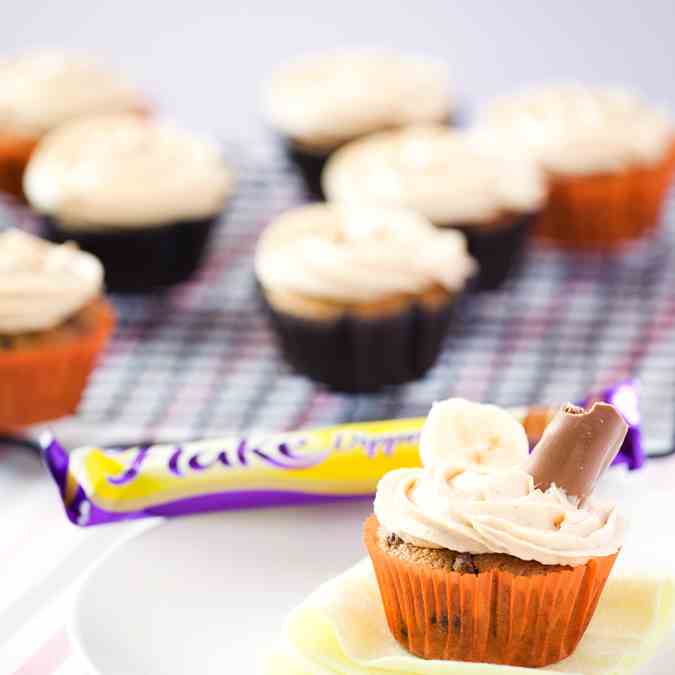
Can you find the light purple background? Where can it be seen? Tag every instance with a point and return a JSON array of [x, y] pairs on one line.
[[202, 60]]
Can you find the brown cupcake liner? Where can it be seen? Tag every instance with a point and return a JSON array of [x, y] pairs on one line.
[[489, 617], [141, 259], [599, 212], [358, 354], [15, 151], [499, 249], [309, 164], [38, 384]]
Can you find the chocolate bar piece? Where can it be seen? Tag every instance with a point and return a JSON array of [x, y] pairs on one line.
[[576, 448]]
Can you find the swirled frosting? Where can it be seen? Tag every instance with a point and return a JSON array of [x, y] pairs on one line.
[[328, 98], [44, 89], [43, 284], [458, 503], [357, 255], [444, 174], [577, 129], [124, 171]]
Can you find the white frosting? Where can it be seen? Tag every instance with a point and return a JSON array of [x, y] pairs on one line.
[[575, 129], [335, 96], [124, 171], [444, 174], [489, 506], [358, 255], [44, 89], [42, 284]]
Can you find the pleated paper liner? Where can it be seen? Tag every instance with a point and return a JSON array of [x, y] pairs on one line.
[[309, 164], [363, 354], [498, 249], [141, 259], [44, 382], [490, 617], [15, 151], [602, 212]]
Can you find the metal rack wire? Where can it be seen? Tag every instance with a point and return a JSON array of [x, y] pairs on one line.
[[200, 361]]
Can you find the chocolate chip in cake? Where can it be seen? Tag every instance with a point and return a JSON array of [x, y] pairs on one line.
[[393, 539], [6, 342], [464, 564]]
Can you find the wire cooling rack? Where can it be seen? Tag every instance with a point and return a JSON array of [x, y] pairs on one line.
[[200, 361]]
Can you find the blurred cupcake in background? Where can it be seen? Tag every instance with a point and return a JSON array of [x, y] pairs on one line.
[[54, 322], [610, 158], [360, 298], [449, 177], [319, 102], [142, 196], [40, 91]]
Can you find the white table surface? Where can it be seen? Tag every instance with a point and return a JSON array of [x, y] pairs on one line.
[[44, 556]]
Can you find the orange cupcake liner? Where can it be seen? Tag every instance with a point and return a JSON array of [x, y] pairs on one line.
[[15, 151], [490, 617], [42, 384], [600, 212]]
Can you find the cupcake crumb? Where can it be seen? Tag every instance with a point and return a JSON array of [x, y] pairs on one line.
[[462, 563]]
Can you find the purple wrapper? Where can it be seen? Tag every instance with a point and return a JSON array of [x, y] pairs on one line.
[[624, 396], [106, 485]]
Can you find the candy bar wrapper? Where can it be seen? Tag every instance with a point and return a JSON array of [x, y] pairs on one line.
[[100, 485]]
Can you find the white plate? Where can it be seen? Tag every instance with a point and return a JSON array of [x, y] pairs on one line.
[[207, 594]]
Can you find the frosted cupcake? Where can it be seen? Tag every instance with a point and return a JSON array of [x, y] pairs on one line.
[[450, 178], [610, 158], [54, 322], [40, 91], [487, 555], [319, 102], [142, 196], [360, 298]]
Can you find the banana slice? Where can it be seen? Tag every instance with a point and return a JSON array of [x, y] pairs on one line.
[[461, 431]]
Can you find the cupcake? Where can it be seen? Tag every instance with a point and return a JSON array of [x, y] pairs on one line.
[[452, 179], [54, 322], [321, 101], [360, 298], [487, 555], [42, 90], [609, 156], [143, 197]]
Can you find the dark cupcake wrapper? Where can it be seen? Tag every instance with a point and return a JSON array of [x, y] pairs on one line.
[[309, 165], [499, 252], [145, 258], [358, 355]]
